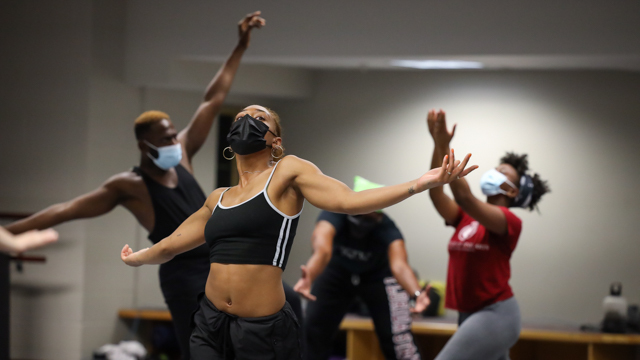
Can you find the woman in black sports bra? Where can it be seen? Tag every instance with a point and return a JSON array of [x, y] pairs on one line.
[[250, 228]]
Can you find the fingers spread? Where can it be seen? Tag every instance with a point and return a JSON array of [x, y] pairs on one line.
[[452, 160], [460, 168], [467, 171]]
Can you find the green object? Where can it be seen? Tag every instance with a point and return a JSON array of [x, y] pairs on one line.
[[362, 184], [436, 294]]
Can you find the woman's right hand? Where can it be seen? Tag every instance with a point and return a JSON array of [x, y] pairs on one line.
[[129, 257], [437, 124]]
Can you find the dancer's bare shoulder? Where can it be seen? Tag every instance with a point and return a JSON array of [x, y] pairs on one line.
[[294, 165], [127, 184], [134, 196], [212, 199]]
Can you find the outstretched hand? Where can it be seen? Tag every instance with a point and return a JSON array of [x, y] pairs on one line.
[[35, 238], [245, 26], [450, 170], [437, 124], [129, 257], [303, 286]]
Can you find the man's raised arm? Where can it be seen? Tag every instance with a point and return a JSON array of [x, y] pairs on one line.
[[194, 135]]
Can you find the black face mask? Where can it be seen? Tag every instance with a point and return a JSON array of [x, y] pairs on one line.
[[246, 135], [360, 226]]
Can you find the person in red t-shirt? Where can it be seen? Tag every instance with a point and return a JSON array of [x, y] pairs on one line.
[[480, 249]]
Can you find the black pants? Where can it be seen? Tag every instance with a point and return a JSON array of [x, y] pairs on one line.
[[388, 304], [218, 335], [181, 283]]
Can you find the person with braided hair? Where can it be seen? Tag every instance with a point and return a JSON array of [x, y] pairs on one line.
[[480, 250]]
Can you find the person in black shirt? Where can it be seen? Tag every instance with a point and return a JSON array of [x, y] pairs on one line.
[[360, 256], [161, 192]]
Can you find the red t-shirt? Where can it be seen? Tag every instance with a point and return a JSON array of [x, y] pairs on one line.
[[479, 269]]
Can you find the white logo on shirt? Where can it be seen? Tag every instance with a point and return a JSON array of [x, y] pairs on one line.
[[468, 231], [354, 254]]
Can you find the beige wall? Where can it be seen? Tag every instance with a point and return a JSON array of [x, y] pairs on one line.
[[579, 128], [66, 127], [43, 138]]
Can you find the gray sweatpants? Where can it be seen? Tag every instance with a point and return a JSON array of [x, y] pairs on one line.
[[486, 334]]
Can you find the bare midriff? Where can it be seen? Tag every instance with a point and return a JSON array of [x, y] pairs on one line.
[[246, 290]]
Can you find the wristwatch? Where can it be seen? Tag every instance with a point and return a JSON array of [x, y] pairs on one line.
[[413, 298]]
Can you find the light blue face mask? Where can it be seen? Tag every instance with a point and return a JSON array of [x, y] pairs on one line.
[[168, 156], [491, 180]]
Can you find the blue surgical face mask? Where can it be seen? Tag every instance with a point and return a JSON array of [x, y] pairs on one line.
[[168, 156], [491, 180]]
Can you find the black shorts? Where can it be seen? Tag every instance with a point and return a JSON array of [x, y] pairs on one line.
[[218, 335]]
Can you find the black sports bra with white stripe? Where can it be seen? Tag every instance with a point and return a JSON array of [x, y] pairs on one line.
[[252, 232]]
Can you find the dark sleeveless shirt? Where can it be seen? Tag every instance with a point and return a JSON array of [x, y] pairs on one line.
[[171, 207], [252, 232]]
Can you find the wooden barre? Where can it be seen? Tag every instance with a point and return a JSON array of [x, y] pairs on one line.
[[428, 327], [32, 258]]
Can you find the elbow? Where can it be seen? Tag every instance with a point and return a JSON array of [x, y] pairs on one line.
[[347, 206], [214, 97], [350, 211]]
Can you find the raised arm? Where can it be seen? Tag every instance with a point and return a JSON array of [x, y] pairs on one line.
[[399, 263], [98, 202], [29, 240], [436, 122], [486, 214], [189, 235], [194, 135], [330, 194], [322, 243]]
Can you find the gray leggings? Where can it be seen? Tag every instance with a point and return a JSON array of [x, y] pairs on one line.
[[486, 334]]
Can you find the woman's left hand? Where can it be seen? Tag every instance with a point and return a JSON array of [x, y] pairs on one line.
[[450, 170], [422, 302], [129, 257]]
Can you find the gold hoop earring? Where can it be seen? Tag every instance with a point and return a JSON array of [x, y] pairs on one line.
[[281, 151], [224, 153]]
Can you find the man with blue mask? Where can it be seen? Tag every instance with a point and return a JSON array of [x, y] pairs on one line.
[[161, 191]]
